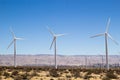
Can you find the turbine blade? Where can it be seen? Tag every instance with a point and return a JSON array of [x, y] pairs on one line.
[[19, 38], [52, 42], [10, 44], [51, 32], [97, 35], [12, 32], [112, 39], [60, 35], [108, 24]]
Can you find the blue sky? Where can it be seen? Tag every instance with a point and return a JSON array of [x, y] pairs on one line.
[[79, 18]]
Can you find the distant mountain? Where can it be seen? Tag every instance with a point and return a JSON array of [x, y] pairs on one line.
[[48, 59]]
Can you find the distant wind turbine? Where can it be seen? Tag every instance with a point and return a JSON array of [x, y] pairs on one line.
[[101, 56], [107, 35], [86, 59], [14, 42], [54, 42]]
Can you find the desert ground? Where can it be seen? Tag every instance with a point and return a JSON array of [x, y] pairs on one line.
[[64, 73]]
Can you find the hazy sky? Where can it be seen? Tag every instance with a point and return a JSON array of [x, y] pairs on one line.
[[79, 18]]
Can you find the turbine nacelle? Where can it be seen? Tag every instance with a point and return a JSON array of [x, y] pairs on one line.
[[54, 36], [14, 38], [106, 33]]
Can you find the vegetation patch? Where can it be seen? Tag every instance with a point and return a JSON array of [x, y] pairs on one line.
[[43, 73]]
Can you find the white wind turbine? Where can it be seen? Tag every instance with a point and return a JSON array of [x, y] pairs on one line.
[[101, 60], [54, 42], [107, 35], [14, 42], [86, 61]]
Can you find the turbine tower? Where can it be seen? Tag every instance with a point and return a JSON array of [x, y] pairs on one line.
[[54, 42], [107, 35], [14, 42]]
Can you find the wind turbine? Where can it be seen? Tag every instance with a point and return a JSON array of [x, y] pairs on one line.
[[54, 42], [86, 61], [14, 42], [107, 35]]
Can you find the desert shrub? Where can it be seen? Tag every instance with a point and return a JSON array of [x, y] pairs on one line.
[[34, 74], [18, 77], [84, 70], [1, 72], [0, 77], [66, 71], [89, 72], [27, 69], [47, 75], [111, 75], [61, 79], [14, 73], [68, 76], [76, 73], [118, 72], [1, 68], [97, 71], [110, 71], [106, 78], [88, 75], [63, 70], [41, 78], [54, 73], [51, 79], [6, 74], [26, 76], [10, 70]]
